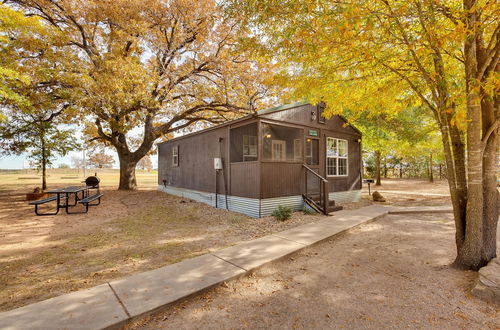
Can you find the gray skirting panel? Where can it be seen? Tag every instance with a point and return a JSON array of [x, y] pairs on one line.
[[252, 207]]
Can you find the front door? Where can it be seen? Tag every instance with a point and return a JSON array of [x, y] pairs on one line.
[[312, 160], [278, 150]]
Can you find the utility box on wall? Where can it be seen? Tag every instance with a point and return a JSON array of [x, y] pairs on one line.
[[218, 163]]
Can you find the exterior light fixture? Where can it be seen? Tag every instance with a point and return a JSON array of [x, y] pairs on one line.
[[268, 136]]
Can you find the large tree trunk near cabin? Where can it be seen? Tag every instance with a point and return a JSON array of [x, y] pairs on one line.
[[482, 145], [490, 195], [127, 173], [469, 255], [129, 160], [377, 168]]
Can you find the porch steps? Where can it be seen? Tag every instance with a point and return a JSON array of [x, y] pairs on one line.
[[314, 202]]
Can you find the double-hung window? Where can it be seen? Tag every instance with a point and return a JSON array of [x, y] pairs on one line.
[[175, 156], [249, 147], [336, 157]]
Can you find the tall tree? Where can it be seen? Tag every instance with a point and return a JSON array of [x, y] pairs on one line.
[[13, 26], [481, 22], [376, 54], [37, 135], [161, 66], [34, 87]]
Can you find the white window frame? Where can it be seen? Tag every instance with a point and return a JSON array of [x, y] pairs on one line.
[[297, 149], [175, 156], [281, 143], [337, 157], [251, 147]]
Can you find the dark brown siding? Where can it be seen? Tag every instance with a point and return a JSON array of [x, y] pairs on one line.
[[256, 179], [196, 161], [281, 179], [352, 181], [301, 115], [245, 179]]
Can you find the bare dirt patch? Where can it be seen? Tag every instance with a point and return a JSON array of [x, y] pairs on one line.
[[413, 192], [389, 274], [130, 232]]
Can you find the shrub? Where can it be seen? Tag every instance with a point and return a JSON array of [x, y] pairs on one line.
[[308, 211], [282, 213]]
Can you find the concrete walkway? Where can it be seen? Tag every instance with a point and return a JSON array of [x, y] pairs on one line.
[[112, 304], [419, 193]]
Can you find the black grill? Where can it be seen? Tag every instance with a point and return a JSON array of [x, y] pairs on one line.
[[92, 181]]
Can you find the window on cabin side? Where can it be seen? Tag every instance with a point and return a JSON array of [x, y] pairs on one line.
[[249, 146], [175, 156], [336, 157]]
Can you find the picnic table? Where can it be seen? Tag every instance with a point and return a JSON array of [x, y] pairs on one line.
[[63, 197]]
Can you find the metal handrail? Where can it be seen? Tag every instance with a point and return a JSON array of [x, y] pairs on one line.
[[316, 174], [323, 191]]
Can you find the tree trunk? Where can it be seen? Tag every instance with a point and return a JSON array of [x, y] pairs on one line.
[[469, 254], [377, 168], [490, 192], [129, 160], [385, 167], [127, 173], [44, 161], [44, 171], [431, 174]]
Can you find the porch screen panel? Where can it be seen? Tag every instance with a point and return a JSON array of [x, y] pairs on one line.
[[282, 143], [244, 143]]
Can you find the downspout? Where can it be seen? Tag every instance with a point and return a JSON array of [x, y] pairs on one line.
[[223, 172], [216, 195]]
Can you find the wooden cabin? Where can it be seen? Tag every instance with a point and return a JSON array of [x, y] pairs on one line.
[[289, 155]]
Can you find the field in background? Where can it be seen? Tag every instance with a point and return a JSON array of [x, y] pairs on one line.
[[29, 179]]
